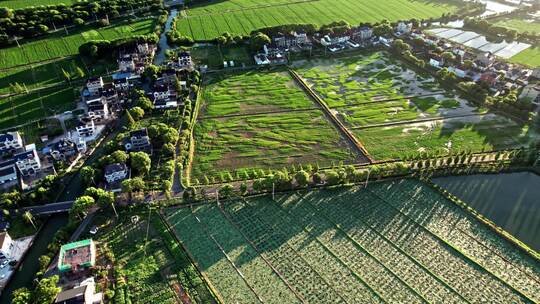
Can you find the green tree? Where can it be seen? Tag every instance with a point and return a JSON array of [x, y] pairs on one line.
[[46, 290], [79, 72], [137, 113], [81, 206], [226, 190], [332, 177], [44, 262], [140, 162], [130, 122], [118, 156], [302, 178], [88, 175], [145, 103], [21, 296], [258, 40]]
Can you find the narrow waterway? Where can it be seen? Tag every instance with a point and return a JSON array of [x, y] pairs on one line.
[[510, 200], [163, 45], [30, 265]]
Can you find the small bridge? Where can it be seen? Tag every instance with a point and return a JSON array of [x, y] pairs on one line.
[[49, 208]]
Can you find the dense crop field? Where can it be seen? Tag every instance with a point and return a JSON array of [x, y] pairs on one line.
[[396, 242], [205, 22], [395, 111], [518, 24], [529, 57], [16, 4], [22, 109], [61, 45], [261, 121], [154, 264]]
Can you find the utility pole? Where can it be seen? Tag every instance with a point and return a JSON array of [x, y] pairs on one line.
[[367, 178], [273, 191]]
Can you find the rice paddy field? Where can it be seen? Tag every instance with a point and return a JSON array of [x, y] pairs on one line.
[[240, 17], [261, 120], [25, 108], [398, 241], [60, 44], [395, 111]]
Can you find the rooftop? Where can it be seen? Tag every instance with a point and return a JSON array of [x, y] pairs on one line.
[[77, 255]]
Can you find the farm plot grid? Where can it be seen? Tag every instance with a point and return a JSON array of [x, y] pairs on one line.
[[61, 45], [258, 121], [395, 111], [398, 242], [205, 22]]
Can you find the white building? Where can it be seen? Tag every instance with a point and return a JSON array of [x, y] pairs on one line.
[[86, 127], [6, 245], [8, 173], [185, 61], [94, 84], [531, 92], [85, 293], [98, 111], [115, 172], [404, 28], [10, 142], [126, 63], [364, 33], [28, 162], [138, 140], [121, 84]]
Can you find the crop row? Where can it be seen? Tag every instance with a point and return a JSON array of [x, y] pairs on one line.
[[471, 280], [215, 20], [268, 286], [389, 285], [411, 271], [455, 226], [290, 259], [210, 259]]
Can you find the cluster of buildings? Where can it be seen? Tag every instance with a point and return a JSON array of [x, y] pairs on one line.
[[480, 67], [19, 163], [136, 141], [166, 92], [356, 37]]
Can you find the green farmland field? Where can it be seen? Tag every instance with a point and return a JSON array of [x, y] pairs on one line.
[[205, 22], [261, 121], [61, 45], [394, 242], [529, 57], [16, 4], [477, 133], [519, 25], [22, 109]]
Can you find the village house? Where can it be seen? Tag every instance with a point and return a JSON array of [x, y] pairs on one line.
[[6, 245], [28, 162], [86, 127], [485, 59], [138, 140], [403, 28], [8, 173], [490, 78], [94, 85], [185, 61], [115, 173], [531, 93], [64, 149], [362, 33], [126, 63], [85, 293], [10, 142], [98, 111], [77, 256], [121, 84]]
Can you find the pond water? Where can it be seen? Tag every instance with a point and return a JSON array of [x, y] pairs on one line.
[[510, 200], [30, 265]]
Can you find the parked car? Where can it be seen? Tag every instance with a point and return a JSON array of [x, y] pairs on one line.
[[4, 263]]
